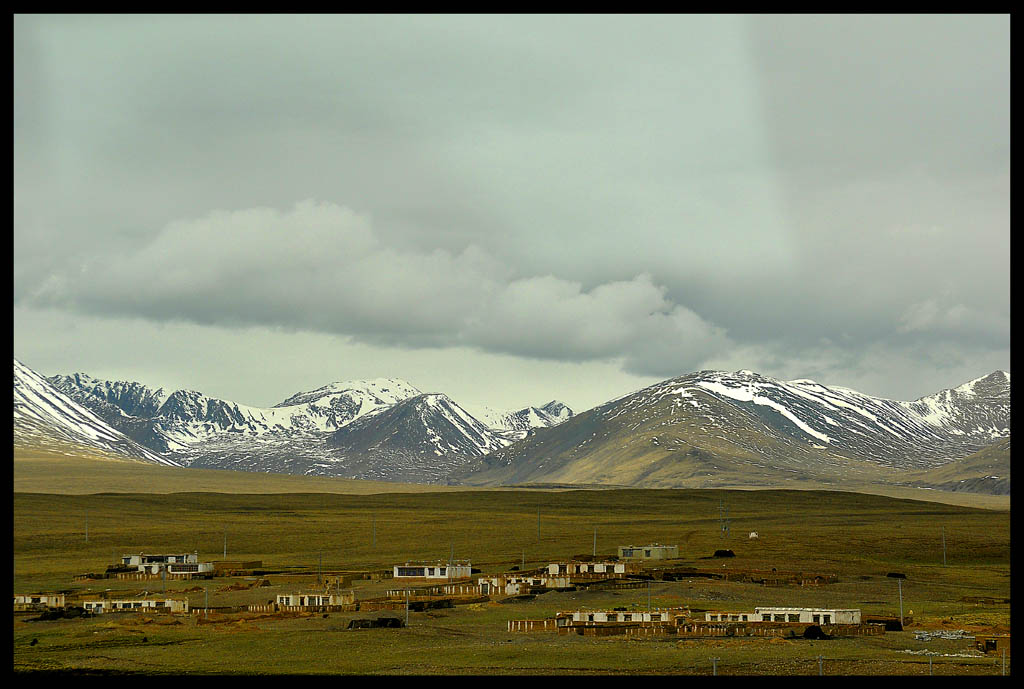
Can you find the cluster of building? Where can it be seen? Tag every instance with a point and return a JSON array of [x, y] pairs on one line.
[[453, 577], [178, 565]]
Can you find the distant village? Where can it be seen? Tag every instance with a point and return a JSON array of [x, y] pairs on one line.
[[421, 586]]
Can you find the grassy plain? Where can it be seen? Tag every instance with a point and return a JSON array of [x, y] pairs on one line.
[[860, 537]]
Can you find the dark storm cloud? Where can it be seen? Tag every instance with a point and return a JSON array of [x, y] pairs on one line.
[[666, 192]]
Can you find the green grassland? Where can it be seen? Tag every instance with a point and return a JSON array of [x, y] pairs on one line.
[[860, 537]]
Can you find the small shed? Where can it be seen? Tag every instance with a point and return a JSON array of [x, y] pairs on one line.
[[992, 643], [38, 601], [654, 551]]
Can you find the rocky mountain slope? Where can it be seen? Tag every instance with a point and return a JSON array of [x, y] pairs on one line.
[[515, 425], [709, 428], [985, 471], [302, 433], [45, 418], [420, 440], [716, 428]]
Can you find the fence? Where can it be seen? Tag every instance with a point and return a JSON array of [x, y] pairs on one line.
[[532, 625], [147, 576], [652, 630], [351, 607], [614, 584], [441, 590], [783, 629]]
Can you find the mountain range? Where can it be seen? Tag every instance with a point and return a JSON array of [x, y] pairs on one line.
[[47, 419], [704, 429], [714, 428], [381, 429]]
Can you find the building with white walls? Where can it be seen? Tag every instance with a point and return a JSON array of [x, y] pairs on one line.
[[654, 551], [435, 571], [144, 604], [795, 615]]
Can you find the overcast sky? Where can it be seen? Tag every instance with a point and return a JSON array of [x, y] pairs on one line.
[[511, 209]]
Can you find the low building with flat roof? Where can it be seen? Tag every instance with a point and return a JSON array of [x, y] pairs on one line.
[[517, 584], [607, 568], [142, 604], [782, 614], [37, 601], [316, 599], [654, 551], [175, 564], [436, 570]]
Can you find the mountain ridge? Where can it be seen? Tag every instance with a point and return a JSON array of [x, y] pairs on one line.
[[698, 429]]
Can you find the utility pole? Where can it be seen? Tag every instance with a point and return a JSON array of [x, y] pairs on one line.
[[538, 525], [225, 543], [373, 542], [524, 561], [206, 602], [407, 607], [87, 526], [714, 666], [899, 582], [595, 541], [821, 669], [943, 546], [648, 595], [319, 567]]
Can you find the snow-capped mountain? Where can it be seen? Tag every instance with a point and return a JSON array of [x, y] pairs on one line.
[[696, 429], [133, 399], [701, 429], [190, 423], [515, 425], [979, 409], [421, 440], [44, 417], [302, 434]]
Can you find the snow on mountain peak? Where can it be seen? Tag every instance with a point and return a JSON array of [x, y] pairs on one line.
[[385, 390], [42, 413]]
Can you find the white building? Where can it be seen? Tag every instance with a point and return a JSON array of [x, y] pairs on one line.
[[148, 604], [185, 563], [593, 568], [439, 570], [38, 601], [564, 619], [653, 551], [516, 584], [316, 599], [800, 615]]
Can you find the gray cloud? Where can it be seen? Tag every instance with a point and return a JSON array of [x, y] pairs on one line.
[[663, 192], [321, 267]]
